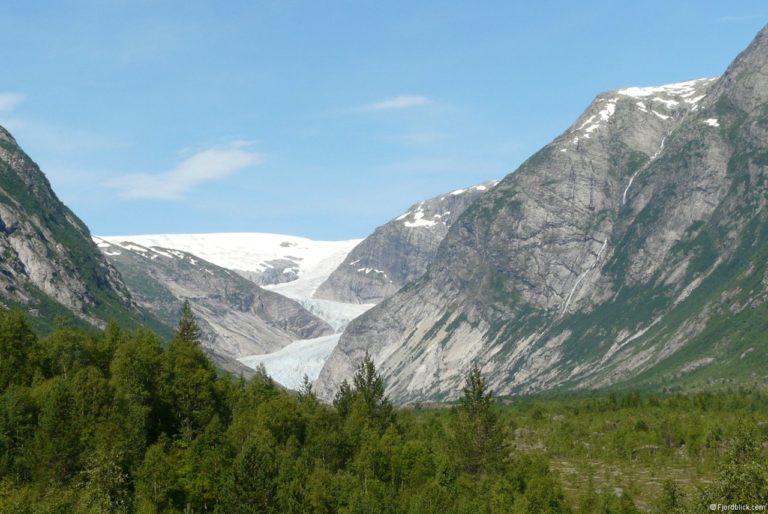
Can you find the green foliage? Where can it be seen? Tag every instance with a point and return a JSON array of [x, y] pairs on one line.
[[479, 440], [116, 422], [369, 393], [743, 478], [18, 346], [188, 330], [251, 485], [672, 500]]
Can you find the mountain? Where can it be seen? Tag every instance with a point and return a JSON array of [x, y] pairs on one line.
[[630, 251], [236, 317], [304, 264], [278, 325], [264, 259], [398, 251], [49, 266]]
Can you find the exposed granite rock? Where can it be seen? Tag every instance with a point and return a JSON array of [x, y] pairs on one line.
[[618, 253], [398, 251], [278, 271], [47, 252], [236, 317]]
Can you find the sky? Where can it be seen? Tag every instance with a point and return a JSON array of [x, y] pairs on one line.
[[321, 119]]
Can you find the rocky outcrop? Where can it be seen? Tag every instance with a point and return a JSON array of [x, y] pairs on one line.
[[237, 317], [49, 264], [629, 250], [398, 251]]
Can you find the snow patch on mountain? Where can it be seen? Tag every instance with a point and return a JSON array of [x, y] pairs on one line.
[[419, 221], [311, 262], [247, 251], [682, 89]]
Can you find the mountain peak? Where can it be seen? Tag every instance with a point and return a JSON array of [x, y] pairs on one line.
[[400, 250], [49, 262], [745, 82], [622, 251]]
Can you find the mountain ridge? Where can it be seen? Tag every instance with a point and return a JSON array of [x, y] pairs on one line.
[[565, 273], [398, 251], [50, 266], [236, 316]]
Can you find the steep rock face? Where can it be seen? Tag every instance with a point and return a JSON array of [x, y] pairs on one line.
[[49, 264], [398, 251], [236, 317], [631, 249]]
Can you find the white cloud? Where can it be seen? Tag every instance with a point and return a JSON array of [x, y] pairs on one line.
[[9, 101], [203, 166], [397, 102]]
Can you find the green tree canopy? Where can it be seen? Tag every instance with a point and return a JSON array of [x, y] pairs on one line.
[[479, 439]]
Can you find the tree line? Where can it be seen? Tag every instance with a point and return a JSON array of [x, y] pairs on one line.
[[117, 421]]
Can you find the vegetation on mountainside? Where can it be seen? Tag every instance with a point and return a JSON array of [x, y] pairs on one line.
[[119, 422]]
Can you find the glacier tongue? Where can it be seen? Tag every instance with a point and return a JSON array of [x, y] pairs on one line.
[[307, 356], [289, 364], [252, 253], [336, 314]]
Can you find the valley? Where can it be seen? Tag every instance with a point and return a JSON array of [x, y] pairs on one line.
[[586, 334]]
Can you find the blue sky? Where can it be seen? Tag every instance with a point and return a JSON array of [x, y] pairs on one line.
[[321, 118]]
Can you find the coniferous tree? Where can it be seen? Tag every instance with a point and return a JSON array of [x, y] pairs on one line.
[[478, 437], [369, 393], [188, 330], [18, 346], [57, 443], [251, 486], [343, 399], [190, 377], [305, 390]]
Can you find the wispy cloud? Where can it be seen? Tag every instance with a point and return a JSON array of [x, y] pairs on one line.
[[203, 166], [9, 101], [397, 102]]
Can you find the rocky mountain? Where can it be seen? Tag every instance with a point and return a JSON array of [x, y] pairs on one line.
[[398, 251], [49, 264], [265, 259], [237, 318], [279, 326], [631, 250]]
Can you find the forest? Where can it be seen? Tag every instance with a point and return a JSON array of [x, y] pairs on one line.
[[120, 421]]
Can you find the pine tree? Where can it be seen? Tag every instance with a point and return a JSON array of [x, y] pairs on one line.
[[188, 330], [368, 396], [343, 399], [477, 399], [370, 387], [189, 377], [478, 437], [251, 484], [18, 348], [305, 390]]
